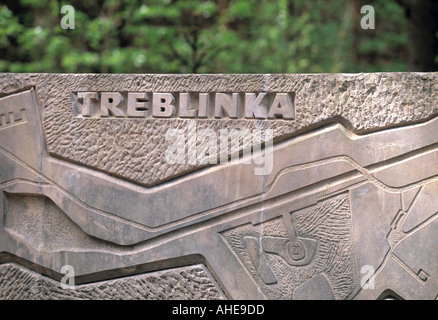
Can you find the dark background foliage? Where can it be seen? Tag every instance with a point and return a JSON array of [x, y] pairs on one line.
[[223, 36]]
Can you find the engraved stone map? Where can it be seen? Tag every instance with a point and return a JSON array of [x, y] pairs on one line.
[[282, 186]]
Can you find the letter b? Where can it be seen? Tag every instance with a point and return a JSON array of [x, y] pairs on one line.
[[162, 105]]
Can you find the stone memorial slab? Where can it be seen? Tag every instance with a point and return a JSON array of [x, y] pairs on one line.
[[282, 186]]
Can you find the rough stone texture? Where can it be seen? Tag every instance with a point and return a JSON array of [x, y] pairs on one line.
[[353, 188], [133, 149], [187, 283], [38, 221]]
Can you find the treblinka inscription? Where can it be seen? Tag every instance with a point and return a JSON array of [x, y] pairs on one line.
[[263, 105]]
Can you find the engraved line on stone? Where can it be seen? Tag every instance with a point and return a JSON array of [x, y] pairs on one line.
[[417, 196], [11, 182], [144, 227], [422, 224], [409, 270], [259, 260], [389, 254], [117, 218], [9, 119], [157, 228], [363, 170], [402, 216], [395, 223], [78, 202]]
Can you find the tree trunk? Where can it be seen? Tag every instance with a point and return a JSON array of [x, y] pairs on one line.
[[422, 34]]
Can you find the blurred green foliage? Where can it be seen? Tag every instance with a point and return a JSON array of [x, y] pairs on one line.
[[224, 36]]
